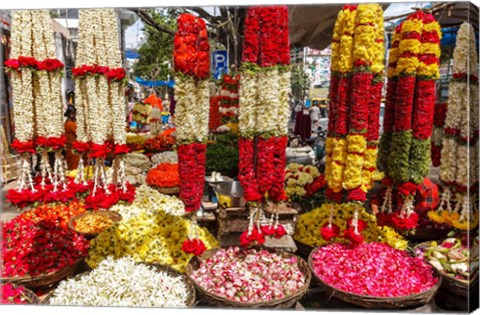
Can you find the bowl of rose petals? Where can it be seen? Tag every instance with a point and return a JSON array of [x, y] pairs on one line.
[[374, 275], [253, 278]]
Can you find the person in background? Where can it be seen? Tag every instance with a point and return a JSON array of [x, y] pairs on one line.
[[303, 125], [71, 135], [314, 115]]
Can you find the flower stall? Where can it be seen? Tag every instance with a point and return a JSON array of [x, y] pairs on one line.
[[134, 225]]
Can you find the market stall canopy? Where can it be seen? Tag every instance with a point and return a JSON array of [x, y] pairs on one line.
[[312, 25], [455, 13]]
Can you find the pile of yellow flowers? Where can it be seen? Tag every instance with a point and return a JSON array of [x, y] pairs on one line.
[[297, 176], [453, 219], [151, 238], [88, 172], [133, 138], [309, 225]]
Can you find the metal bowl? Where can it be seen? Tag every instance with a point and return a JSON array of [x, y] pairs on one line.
[[230, 194], [213, 183]]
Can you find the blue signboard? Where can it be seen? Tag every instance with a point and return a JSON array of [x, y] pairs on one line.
[[219, 63]]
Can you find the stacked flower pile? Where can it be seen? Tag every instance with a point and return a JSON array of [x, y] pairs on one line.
[[164, 175], [151, 236], [100, 101], [229, 99], [36, 76], [135, 141], [320, 227], [373, 269], [13, 295], [305, 185], [192, 66], [30, 248], [56, 213], [459, 199], [409, 122], [437, 133], [106, 286], [150, 200], [249, 276], [357, 70], [264, 109]]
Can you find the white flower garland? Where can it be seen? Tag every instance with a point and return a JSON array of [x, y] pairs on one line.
[[248, 99], [283, 113], [459, 161], [266, 109]]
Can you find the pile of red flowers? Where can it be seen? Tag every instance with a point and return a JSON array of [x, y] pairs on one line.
[[73, 193], [35, 248], [215, 120], [191, 168], [112, 74], [193, 246], [12, 294], [191, 48], [372, 269], [30, 62], [56, 214], [164, 175]]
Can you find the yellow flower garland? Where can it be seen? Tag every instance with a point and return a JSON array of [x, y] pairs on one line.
[[431, 70]]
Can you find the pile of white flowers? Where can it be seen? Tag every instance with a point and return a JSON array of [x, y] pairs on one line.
[[122, 282], [150, 200], [165, 157]]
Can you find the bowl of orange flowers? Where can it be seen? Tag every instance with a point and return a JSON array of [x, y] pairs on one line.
[[165, 178]]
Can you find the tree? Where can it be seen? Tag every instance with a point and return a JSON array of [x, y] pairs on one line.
[[300, 81], [156, 53]]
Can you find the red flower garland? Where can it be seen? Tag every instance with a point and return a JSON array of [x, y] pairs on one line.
[[112, 74], [247, 175], [23, 147], [50, 65], [191, 168], [53, 143]]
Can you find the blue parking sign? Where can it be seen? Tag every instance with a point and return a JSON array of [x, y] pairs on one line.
[[219, 63]]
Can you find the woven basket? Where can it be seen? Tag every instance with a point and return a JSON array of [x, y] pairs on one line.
[[220, 301], [114, 216], [303, 249], [168, 190], [427, 234], [453, 285], [377, 302], [191, 298], [28, 295], [46, 279]]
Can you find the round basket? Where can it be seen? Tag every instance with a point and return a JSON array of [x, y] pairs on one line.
[[191, 298], [373, 302], [168, 190], [45, 279], [114, 216], [28, 295], [303, 249], [451, 284], [427, 234], [220, 301]]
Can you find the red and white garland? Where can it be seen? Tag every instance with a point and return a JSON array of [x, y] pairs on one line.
[[459, 157], [100, 99], [263, 116], [229, 98], [35, 75]]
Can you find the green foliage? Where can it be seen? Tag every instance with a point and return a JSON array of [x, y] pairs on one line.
[[399, 158], [420, 159], [222, 156], [300, 81], [157, 48]]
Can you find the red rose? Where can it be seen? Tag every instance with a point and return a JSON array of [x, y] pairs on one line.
[[23, 147], [193, 246], [407, 188], [361, 225], [116, 74], [328, 232], [27, 61], [404, 223], [121, 149], [51, 64], [81, 147], [354, 238], [99, 151], [357, 195], [12, 63], [268, 230], [280, 231], [383, 219]]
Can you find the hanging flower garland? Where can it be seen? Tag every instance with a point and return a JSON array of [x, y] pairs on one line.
[[409, 113], [38, 113], [191, 114], [229, 98], [437, 134], [459, 146], [355, 95], [263, 116], [100, 106]]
